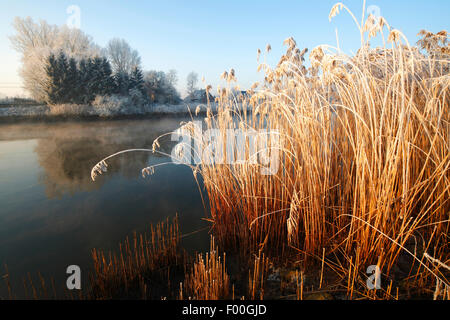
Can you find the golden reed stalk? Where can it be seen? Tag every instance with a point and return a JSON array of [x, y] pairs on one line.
[[364, 156]]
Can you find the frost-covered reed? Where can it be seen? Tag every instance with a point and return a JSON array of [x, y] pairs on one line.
[[365, 157]]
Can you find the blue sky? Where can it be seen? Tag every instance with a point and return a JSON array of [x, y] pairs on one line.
[[212, 36]]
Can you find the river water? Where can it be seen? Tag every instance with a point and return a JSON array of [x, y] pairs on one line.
[[52, 214]]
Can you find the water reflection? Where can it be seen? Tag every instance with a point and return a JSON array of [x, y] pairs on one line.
[[68, 155], [52, 214]]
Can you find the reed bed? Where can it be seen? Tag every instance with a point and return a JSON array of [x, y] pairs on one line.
[[364, 157], [39, 289], [142, 268], [208, 279]]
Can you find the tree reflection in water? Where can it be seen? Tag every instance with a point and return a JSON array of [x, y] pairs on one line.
[[69, 153], [53, 214]]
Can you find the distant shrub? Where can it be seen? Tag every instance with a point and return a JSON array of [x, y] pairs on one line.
[[137, 98], [160, 87], [70, 110], [110, 105]]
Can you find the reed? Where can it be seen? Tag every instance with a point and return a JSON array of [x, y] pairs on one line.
[[208, 279], [257, 278], [364, 156], [142, 267], [364, 159]]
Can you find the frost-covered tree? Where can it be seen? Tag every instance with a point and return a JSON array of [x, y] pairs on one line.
[[73, 80], [107, 85], [172, 77], [191, 83], [30, 35], [63, 72], [159, 88], [54, 82], [60, 79], [97, 78], [137, 80], [122, 83], [70, 82], [36, 41], [85, 70], [122, 57]]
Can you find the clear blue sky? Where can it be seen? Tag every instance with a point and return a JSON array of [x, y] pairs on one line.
[[212, 36]]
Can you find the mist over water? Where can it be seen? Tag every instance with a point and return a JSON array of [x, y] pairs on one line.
[[52, 214]]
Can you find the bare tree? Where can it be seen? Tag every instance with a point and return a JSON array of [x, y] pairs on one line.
[[172, 77], [30, 35], [122, 57], [191, 81], [160, 87]]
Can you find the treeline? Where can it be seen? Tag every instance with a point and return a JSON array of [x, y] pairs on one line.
[[79, 82], [61, 65], [17, 101]]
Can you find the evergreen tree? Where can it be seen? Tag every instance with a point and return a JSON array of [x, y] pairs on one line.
[[58, 86], [108, 85], [63, 92], [53, 82], [91, 82], [82, 70], [137, 80], [96, 82], [122, 80], [79, 83], [73, 81], [86, 78]]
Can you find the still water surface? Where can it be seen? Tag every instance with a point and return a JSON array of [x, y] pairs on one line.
[[52, 214]]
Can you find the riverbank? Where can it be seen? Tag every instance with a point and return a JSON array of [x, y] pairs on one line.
[[73, 112]]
